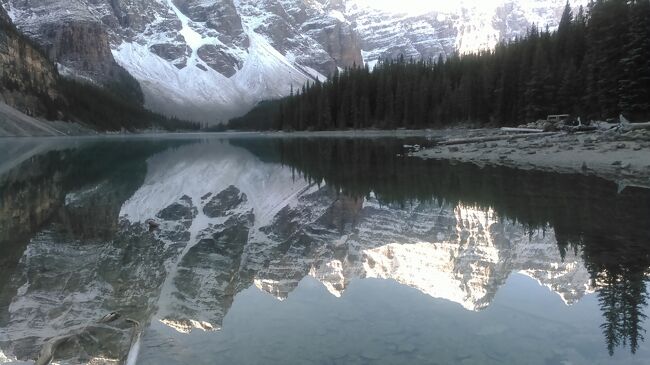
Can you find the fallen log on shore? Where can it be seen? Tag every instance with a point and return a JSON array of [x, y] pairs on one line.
[[634, 126], [454, 142], [580, 128], [522, 130]]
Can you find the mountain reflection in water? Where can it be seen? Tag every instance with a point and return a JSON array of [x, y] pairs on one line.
[[297, 218]]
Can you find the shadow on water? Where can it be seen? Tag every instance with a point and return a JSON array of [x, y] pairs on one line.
[[588, 214]]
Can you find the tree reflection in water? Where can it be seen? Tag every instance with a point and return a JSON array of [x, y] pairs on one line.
[[588, 214]]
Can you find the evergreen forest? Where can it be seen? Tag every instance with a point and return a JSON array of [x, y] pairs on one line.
[[596, 66]]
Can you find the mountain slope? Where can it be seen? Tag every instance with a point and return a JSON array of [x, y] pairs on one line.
[[210, 60], [31, 88], [27, 78]]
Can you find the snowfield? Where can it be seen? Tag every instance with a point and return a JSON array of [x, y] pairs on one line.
[[205, 94]]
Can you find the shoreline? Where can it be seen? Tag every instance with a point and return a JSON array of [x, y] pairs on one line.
[[362, 133], [623, 158]]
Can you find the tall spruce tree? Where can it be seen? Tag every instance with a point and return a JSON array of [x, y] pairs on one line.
[[634, 85]]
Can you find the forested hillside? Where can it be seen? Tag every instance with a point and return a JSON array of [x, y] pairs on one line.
[[596, 65]]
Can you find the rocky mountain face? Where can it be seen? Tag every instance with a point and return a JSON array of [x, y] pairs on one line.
[[248, 223], [32, 90], [71, 37], [27, 78], [211, 60], [196, 59], [428, 31]]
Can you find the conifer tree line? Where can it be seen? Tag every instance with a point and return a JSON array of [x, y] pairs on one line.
[[596, 65]]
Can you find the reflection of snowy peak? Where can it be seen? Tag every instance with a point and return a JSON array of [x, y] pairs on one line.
[[227, 221], [212, 59], [264, 226], [460, 254]]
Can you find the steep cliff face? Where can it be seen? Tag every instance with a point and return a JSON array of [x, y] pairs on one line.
[[311, 33], [4, 17], [71, 37], [82, 47], [27, 78], [33, 89]]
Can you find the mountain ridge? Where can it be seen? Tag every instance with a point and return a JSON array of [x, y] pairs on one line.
[[212, 60]]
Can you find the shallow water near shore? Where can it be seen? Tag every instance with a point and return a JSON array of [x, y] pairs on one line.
[[272, 250]]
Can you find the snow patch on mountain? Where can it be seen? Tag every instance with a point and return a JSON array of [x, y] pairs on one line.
[[201, 93]]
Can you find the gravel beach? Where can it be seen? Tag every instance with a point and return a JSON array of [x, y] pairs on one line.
[[620, 157]]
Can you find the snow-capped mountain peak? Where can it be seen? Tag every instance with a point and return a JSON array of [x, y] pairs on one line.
[[209, 60]]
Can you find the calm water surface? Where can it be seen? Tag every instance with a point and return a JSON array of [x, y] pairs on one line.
[[252, 250]]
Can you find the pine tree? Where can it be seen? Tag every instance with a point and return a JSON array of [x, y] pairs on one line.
[[634, 86], [535, 88]]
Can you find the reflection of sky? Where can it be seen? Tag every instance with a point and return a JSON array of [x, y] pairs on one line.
[[380, 321]]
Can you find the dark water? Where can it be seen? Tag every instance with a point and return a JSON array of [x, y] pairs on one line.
[[312, 251]]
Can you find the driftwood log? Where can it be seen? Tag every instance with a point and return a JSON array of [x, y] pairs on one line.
[[454, 142], [521, 130], [626, 126], [634, 126]]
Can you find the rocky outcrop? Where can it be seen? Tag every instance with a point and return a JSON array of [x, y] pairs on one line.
[[219, 60], [177, 54], [73, 38], [82, 48], [27, 78], [4, 17], [220, 16], [339, 40]]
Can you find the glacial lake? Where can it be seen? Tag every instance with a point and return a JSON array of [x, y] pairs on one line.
[[244, 249]]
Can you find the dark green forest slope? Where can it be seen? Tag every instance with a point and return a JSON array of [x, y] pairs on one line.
[[596, 65]]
